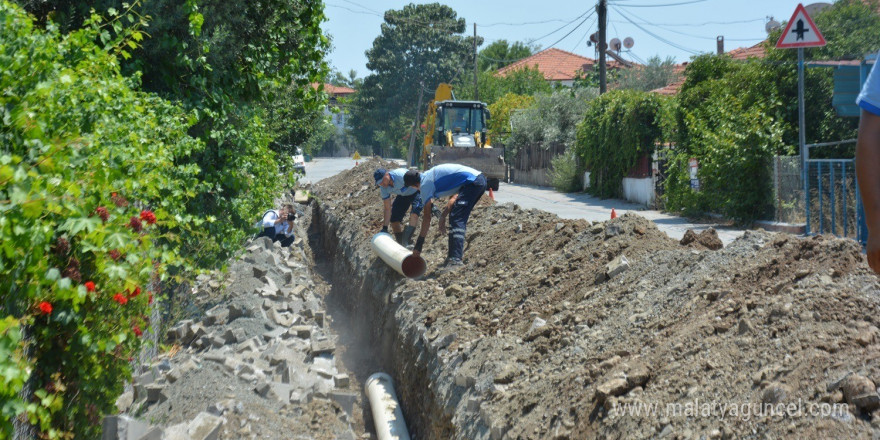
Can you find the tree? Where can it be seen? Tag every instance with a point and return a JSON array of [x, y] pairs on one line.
[[654, 75], [243, 71], [524, 81], [500, 53], [419, 46]]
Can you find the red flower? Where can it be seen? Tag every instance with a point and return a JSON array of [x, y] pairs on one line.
[[102, 212], [137, 331], [45, 307], [150, 298], [120, 298], [137, 291], [148, 216], [90, 286], [135, 224]]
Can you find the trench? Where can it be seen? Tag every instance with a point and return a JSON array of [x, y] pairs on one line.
[[370, 338]]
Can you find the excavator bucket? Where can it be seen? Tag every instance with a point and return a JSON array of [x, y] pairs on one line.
[[488, 160]]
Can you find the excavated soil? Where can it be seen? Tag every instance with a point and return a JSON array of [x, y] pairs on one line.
[[545, 334]]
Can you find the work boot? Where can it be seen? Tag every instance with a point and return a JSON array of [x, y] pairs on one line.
[[452, 264], [407, 236], [398, 237]]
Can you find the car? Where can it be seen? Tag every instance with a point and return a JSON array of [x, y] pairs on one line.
[[299, 162]]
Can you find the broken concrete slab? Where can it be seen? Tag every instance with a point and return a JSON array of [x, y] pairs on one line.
[[345, 399], [617, 266], [205, 427]]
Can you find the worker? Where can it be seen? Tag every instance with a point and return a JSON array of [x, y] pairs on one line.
[[391, 183], [465, 185], [868, 162]]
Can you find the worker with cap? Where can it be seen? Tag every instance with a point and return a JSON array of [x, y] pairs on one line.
[[391, 183], [465, 186]]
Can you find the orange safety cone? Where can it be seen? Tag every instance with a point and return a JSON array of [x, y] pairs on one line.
[[613, 214], [491, 194]]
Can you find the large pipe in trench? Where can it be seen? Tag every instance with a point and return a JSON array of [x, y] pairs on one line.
[[397, 256], [387, 416]]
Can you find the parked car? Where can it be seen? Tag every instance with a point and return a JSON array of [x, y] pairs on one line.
[[299, 161]]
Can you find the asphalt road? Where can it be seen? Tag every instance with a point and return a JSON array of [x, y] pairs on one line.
[[565, 205]]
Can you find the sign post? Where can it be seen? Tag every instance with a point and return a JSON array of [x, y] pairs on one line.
[[801, 32]]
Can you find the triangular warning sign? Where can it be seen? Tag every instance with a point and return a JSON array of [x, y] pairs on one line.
[[800, 31]]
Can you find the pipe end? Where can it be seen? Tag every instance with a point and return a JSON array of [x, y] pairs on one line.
[[414, 267]]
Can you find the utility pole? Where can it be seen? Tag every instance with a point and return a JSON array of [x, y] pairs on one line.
[[602, 9], [476, 90], [412, 135]]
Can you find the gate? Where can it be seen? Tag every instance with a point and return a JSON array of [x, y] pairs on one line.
[[833, 203]]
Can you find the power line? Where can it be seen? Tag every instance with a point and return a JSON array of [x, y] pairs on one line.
[[559, 28], [705, 23], [590, 27], [659, 6], [555, 20], [570, 32], [677, 46]]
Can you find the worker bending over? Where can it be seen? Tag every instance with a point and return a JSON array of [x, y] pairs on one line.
[[391, 183], [465, 185]]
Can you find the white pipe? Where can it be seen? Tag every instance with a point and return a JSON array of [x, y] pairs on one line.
[[387, 417], [397, 256]]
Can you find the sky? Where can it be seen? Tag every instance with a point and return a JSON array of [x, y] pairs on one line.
[[668, 28]]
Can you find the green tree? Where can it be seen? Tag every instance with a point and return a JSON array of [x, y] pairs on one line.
[[553, 118], [500, 53], [502, 110], [525, 81], [419, 46], [657, 73]]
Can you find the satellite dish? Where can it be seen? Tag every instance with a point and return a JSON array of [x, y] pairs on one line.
[[614, 44], [628, 42], [772, 25]]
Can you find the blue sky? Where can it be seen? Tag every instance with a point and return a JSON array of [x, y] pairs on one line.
[[676, 28]]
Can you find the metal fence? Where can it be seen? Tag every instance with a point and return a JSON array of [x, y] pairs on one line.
[[788, 190], [833, 204]]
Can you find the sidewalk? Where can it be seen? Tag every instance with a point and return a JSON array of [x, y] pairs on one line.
[[585, 206]]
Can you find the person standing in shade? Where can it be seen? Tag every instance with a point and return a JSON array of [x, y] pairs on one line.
[[868, 162], [391, 183], [465, 185]]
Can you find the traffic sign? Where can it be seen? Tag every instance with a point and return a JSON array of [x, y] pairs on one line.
[[800, 31]]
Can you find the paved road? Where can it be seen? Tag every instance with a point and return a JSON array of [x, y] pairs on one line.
[[568, 206], [323, 167]]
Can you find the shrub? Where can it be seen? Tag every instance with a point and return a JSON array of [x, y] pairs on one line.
[[94, 186], [618, 128], [553, 118], [565, 175]]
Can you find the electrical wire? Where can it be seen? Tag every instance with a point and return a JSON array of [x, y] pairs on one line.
[[561, 27], [525, 23], [570, 32], [659, 6], [670, 43], [705, 23], [586, 34]]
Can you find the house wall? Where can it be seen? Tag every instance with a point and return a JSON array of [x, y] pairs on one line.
[[639, 190]]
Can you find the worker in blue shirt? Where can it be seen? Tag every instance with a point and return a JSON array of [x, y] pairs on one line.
[[868, 162], [465, 185], [391, 183]]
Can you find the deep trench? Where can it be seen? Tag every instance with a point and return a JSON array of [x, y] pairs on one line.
[[362, 314]]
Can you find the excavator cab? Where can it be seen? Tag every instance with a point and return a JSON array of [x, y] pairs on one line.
[[458, 134]]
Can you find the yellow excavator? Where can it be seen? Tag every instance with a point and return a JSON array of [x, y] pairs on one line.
[[456, 133]]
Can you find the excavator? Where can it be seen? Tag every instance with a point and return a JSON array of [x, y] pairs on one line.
[[456, 133]]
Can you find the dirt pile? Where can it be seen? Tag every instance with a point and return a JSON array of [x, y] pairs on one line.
[[566, 329], [259, 360]]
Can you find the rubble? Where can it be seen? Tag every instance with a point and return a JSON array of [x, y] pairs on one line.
[[234, 363], [768, 318]]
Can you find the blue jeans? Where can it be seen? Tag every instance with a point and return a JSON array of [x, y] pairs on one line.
[[468, 196]]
